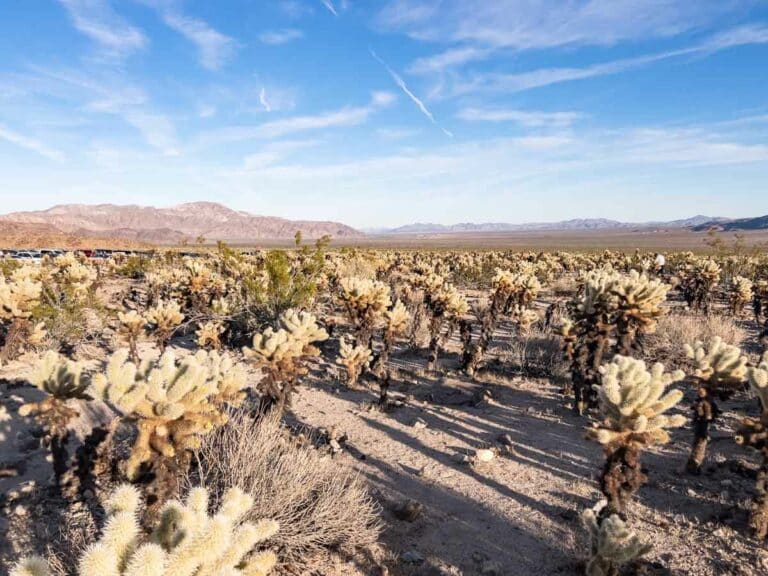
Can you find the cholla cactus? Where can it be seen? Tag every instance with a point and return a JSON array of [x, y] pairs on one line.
[[73, 275], [639, 301], [698, 283], [445, 304], [186, 540], [632, 402], [209, 335], [720, 370], [613, 544], [282, 354], [366, 302], [164, 319], [18, 299], [754, 433], [173, 403], [132, 326], [62, 380], [354, 358], [740, 294]]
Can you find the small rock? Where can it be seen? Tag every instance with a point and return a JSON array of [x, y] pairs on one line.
[[412, 557], [460, 458], [419, 424], [484, 455]]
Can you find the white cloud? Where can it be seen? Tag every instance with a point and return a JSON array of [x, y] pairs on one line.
[[330, 7], [415, 99], [214, 47], [521, 81], [31, 144], [344, 117], [97, 20], [536, 24], [396, 133], [448, 59], [277, 37], [263, 99], [527, 118]]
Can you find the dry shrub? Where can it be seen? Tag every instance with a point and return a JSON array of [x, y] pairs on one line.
[[319, 504], [675, 330], [538, 353]]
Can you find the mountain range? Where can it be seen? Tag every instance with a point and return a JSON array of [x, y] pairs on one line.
[[585, 224], [71, 224], [185, 222]]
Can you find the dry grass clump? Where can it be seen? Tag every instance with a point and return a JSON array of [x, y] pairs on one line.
[[674, 330], [319, 505]]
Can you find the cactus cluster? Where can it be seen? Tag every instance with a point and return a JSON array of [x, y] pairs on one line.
[[611, 308], [753, 432], [633, 401], [185, 541], [355, 358], [172, 402], [720, 370], [612, 543], [282, 355], [19, 297], [61, 380], [698, 283], [163, 319], [366, 302], [740, 294]]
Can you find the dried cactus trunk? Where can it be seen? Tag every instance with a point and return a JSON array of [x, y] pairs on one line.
[[704, 413], [621, 477]]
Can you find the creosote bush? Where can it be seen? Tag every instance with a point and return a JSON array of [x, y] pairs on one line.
[[186, 541]]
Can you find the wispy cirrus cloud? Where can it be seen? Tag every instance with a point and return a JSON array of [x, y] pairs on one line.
[[277, 37], [31, 144], [343, 117], [214, 47], [448, 59], [97, 20], [540, 24], [527, 118], [407, 91], [329, 5], [517, 82]]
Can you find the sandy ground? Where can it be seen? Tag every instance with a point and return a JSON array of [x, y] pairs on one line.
[[518, 514]]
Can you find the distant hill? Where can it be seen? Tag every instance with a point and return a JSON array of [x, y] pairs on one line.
[[758, 223], [172, 225], [35, 236], [565, 225]]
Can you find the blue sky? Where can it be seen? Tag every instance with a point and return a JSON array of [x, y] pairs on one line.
[[389, 112]]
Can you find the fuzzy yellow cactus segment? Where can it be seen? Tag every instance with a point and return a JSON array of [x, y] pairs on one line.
[[209, 335], [32, 566], [281, 353], [397, 319], [354, 359], [640, 299], [61, 379], [37, 334], [164, 318], [75, 274], [720, 365], [187, 541], [740, 294], [19, 297], [448, 299], [165, 315], [633, 401], [366, 302], [131, 323], [758, 381], [613, 544], [172, 402]]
